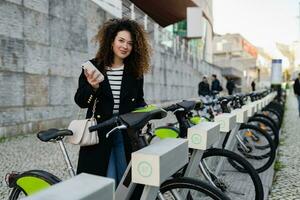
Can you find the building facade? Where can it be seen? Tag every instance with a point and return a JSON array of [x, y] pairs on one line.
[[238, 58], [43, 43]]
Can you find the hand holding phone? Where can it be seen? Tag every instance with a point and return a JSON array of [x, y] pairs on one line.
[[93, 75]]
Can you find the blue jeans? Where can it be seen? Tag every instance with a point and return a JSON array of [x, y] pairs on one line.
[[117, 161]]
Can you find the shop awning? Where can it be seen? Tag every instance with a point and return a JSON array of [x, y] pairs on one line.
[[164, 12]]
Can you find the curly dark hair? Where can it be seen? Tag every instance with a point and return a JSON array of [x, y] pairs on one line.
[[138, 61]]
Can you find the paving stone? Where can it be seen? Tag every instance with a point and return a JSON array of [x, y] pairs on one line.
[[286, 185]]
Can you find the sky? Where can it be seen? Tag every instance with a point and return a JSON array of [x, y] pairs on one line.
[[261, 22]]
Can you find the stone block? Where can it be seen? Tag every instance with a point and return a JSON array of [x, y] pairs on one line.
[[155, 75], [36, 26], [48, 112], [59, 32], [17, 129], [12, 116], [148, 91], [60, 61], [147, 78], [35, 114], [11, 20], [36, 90], [77, 58], [60, 90], [12, 89], [78, 34], [36, 58], [52, 123], [38, 5], [92, 45], [163, 94], [67, 9], [15, 1], [95, 15], [11, 54], [169, 92]]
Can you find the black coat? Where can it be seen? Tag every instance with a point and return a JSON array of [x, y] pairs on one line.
[[94, 159], [216, 86], [203, 89], [297, 87], [230, 85]]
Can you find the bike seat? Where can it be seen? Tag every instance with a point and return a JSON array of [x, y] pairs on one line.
[[53, 134], [187, 105], [137, 120], [226, 98]]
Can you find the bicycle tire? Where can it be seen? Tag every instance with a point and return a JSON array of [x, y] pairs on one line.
[[15, 193], [271, 120], [275, 132], [41, 175], [192, 184], [275, 112], [258, 187], [278, 106], [270, 155], [273, 116]]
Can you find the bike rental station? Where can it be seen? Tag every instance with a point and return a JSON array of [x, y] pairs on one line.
[[216, 149]]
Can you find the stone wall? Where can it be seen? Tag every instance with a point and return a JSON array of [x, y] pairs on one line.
[[43, 43]]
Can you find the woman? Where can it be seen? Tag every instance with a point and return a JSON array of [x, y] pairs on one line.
[[123, 57]]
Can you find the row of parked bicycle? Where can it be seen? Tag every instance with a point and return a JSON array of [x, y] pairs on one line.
[[215, 150]]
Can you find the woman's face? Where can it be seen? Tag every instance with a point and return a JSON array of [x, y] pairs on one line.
[[122, 45]]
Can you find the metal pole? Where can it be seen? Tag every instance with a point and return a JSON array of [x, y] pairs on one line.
[[66, 157]]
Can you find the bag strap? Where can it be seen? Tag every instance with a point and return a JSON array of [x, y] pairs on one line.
[[94, 109], [79, 112]]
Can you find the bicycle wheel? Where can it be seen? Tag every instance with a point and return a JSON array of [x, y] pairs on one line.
[[260, 150], [30, 182], [277, 115], [269, 118], [190, 189], [234, 184], [273, 116], [267, 127]]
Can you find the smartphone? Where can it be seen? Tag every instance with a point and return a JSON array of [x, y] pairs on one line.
[[90, 67]]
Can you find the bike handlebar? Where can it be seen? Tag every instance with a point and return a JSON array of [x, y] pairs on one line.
[[111, 122]]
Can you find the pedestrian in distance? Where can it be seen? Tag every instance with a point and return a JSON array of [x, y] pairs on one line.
[[253, 85], [123, 57], [215, 85], [297, 91], [230, 86], [203, 87]]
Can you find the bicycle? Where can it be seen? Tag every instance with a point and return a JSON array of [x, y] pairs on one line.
[[215, 177], [252, 142], [30, 182]]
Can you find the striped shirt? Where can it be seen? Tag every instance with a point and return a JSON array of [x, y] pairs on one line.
[[114, 76]]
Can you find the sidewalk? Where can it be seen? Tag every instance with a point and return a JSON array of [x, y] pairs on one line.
[[287, 184], [28, 152]]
